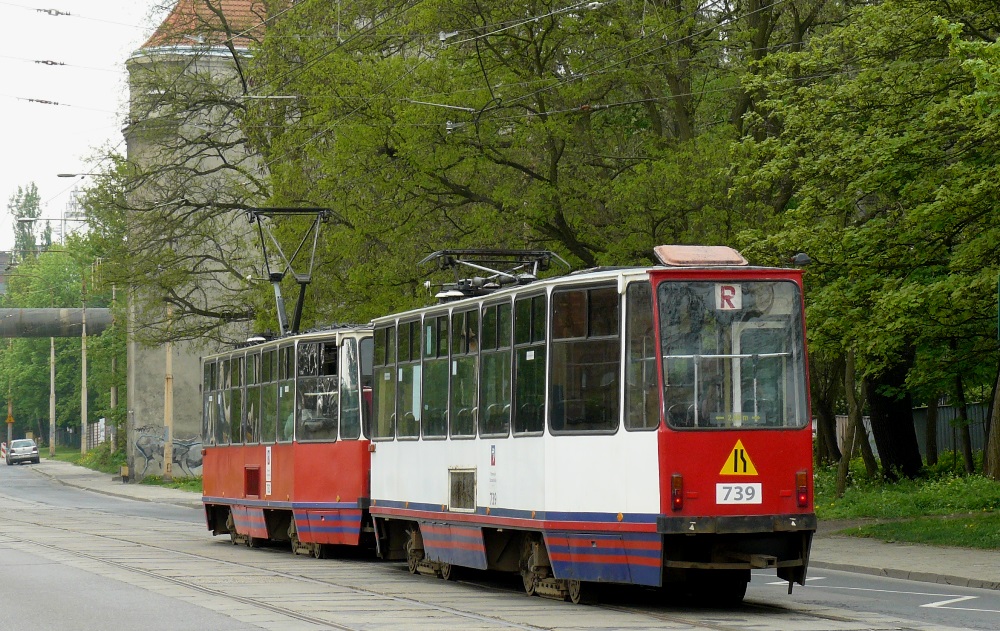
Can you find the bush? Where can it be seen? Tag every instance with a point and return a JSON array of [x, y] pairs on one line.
[[941, 491], [101, 458]]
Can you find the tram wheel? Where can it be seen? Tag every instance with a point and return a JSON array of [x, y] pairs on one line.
[[319, 551], [413, 554], [448, 571], [234, 537], [254, 542], [528, 576], [574, 591]]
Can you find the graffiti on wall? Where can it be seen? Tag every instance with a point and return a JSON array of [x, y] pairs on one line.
[[149, 444]]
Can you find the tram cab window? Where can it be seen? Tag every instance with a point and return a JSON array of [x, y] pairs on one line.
[[366, 353], [585, 365], [286, 393], [251, 426], [268, 396], [528, 406], [350, 390], [408, 386], [385, 383], [222, 417], [462, 410], [435, 377], [642, 400], [316, 391], [732, 354], [236, 400], [495, 370], [209, 394]]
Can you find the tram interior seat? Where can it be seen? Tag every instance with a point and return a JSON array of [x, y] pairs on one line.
[[435, 421]]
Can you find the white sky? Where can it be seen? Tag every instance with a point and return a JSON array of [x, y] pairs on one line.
[[40, 140]]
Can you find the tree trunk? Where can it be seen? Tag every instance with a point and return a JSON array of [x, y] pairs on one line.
[[963, 426], [826, 381], [855, 426], [991, 457], [930, 431], [892, 422]]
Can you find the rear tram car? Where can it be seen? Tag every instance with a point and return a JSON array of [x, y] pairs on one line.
[[632, 425], [285, 440]]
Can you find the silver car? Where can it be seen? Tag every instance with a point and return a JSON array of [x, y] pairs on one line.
[[22, 450]]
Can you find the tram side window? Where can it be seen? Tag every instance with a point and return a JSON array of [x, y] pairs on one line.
[[642, 400], [408, 386], [385, 383], [222, 402], [583, 380], [435, 382], [464, 373], [251, 427], [495, 367], [236, 400], [209, 407], [316, 392], [286, 393], [350, 390], [268, 396], [366, 355], [529, 364]]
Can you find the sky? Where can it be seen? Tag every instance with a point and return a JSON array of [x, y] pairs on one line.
[[87, 80]]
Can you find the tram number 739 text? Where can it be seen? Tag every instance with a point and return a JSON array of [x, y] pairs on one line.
[[738, 493]]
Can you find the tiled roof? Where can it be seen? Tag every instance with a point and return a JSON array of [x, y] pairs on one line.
[[197, 23]]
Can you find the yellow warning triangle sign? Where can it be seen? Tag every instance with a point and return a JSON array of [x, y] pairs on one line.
[[739, 462]]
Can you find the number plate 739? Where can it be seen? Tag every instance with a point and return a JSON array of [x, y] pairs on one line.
[[738, 493]]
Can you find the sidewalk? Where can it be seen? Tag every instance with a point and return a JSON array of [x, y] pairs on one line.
[[912, 561], [105, 483], [949, 566]]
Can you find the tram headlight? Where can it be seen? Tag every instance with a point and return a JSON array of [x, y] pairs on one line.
[[676, 491], [802, 488]]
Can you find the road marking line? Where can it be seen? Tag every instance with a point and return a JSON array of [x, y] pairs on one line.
[[941, 605]]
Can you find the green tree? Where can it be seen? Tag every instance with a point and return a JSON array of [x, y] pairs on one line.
[[597, 130], [876, 156]]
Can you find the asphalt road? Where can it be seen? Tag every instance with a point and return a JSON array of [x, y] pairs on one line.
[[79, 560]]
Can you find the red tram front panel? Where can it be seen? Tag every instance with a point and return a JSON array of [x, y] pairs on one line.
[[735, 447]]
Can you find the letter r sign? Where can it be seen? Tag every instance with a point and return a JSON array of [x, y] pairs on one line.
[[728, 297]]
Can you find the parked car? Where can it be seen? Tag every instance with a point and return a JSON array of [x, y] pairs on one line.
[[22, 450]]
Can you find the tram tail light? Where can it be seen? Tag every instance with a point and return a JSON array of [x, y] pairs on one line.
[[676, 491], [802, 488]]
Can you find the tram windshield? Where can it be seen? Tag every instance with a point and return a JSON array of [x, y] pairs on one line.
[[733, 354]]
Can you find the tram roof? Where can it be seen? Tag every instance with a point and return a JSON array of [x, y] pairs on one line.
[[310, 335], [581, 277]]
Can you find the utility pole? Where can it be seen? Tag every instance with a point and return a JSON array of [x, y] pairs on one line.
[[168, 405], [83, 375], [52, 397], [10, 403]]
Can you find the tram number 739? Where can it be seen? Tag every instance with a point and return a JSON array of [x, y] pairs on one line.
[[738, 493]]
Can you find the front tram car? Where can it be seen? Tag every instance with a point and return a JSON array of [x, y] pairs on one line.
[[631, 425], [286, 440]]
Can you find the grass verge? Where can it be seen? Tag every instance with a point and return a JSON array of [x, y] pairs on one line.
[[969, 531], [940, 508]]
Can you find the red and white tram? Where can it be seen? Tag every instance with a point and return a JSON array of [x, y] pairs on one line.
[[632, 425], [286, 454]]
